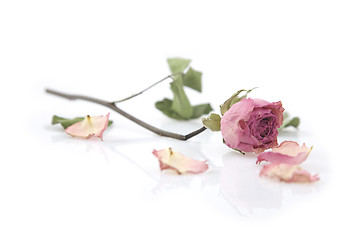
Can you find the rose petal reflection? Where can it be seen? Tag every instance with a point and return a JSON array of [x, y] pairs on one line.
[[243, 189]]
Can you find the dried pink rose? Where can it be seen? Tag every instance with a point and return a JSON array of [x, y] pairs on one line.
[[288, 173], [170, 159], [288, 152], [250, 125], [89, 127]]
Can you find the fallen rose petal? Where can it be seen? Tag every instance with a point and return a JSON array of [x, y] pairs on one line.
[[288, 152], [288, 173], [170, 159], [89, 127]]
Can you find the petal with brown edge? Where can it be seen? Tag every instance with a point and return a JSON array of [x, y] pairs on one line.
[[89, 127], [288, 152], [169, 159]]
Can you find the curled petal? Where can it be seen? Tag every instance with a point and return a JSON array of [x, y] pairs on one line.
[[232, 125], [288, 152], [288, 173], [170, 159], [250, 125], [89, 127]]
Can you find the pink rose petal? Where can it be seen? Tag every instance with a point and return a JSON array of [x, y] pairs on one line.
[[287, 152], [170, 159], [288, 173], [230, 123], [250, 125], [89, 127]]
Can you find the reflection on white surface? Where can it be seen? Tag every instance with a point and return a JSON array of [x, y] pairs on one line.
[[241, 186], [232, 178]]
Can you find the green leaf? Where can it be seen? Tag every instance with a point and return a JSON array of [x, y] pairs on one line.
[[165, 107], [238, 99], [233, 99], [212, 122], [66, 122], [178, 65], [56, 119], [192, 79], [201, 109], [181, 103], [180, 107], [289, 122], [294, 122]]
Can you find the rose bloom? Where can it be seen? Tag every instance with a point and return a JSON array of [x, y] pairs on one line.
[[250, 125]]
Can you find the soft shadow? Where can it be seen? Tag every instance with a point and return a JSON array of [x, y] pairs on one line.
[[170, 180], [249, 194], [238, 180], [289, 133], [241, 188]]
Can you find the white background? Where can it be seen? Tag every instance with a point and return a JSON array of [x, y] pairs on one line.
[[52, 186]]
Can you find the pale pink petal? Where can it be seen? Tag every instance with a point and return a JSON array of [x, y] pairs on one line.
[[233, 127], [89, 127], [170, 159], [288, 152], [288, 173]]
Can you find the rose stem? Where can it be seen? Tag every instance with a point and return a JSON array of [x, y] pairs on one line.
[[112, 106], [137, 94]]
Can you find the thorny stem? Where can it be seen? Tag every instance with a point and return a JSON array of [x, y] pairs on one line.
[[112, 106], [137, 94]]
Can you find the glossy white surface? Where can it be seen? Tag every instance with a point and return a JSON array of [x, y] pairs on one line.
[[53, 186]]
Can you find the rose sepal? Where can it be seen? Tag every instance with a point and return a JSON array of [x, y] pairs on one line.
[[233, 99], [212, 122]]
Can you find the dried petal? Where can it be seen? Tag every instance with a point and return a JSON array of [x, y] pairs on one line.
[[170, 159], [287, 152], [89, 127], [288, 173], [250, 125]]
